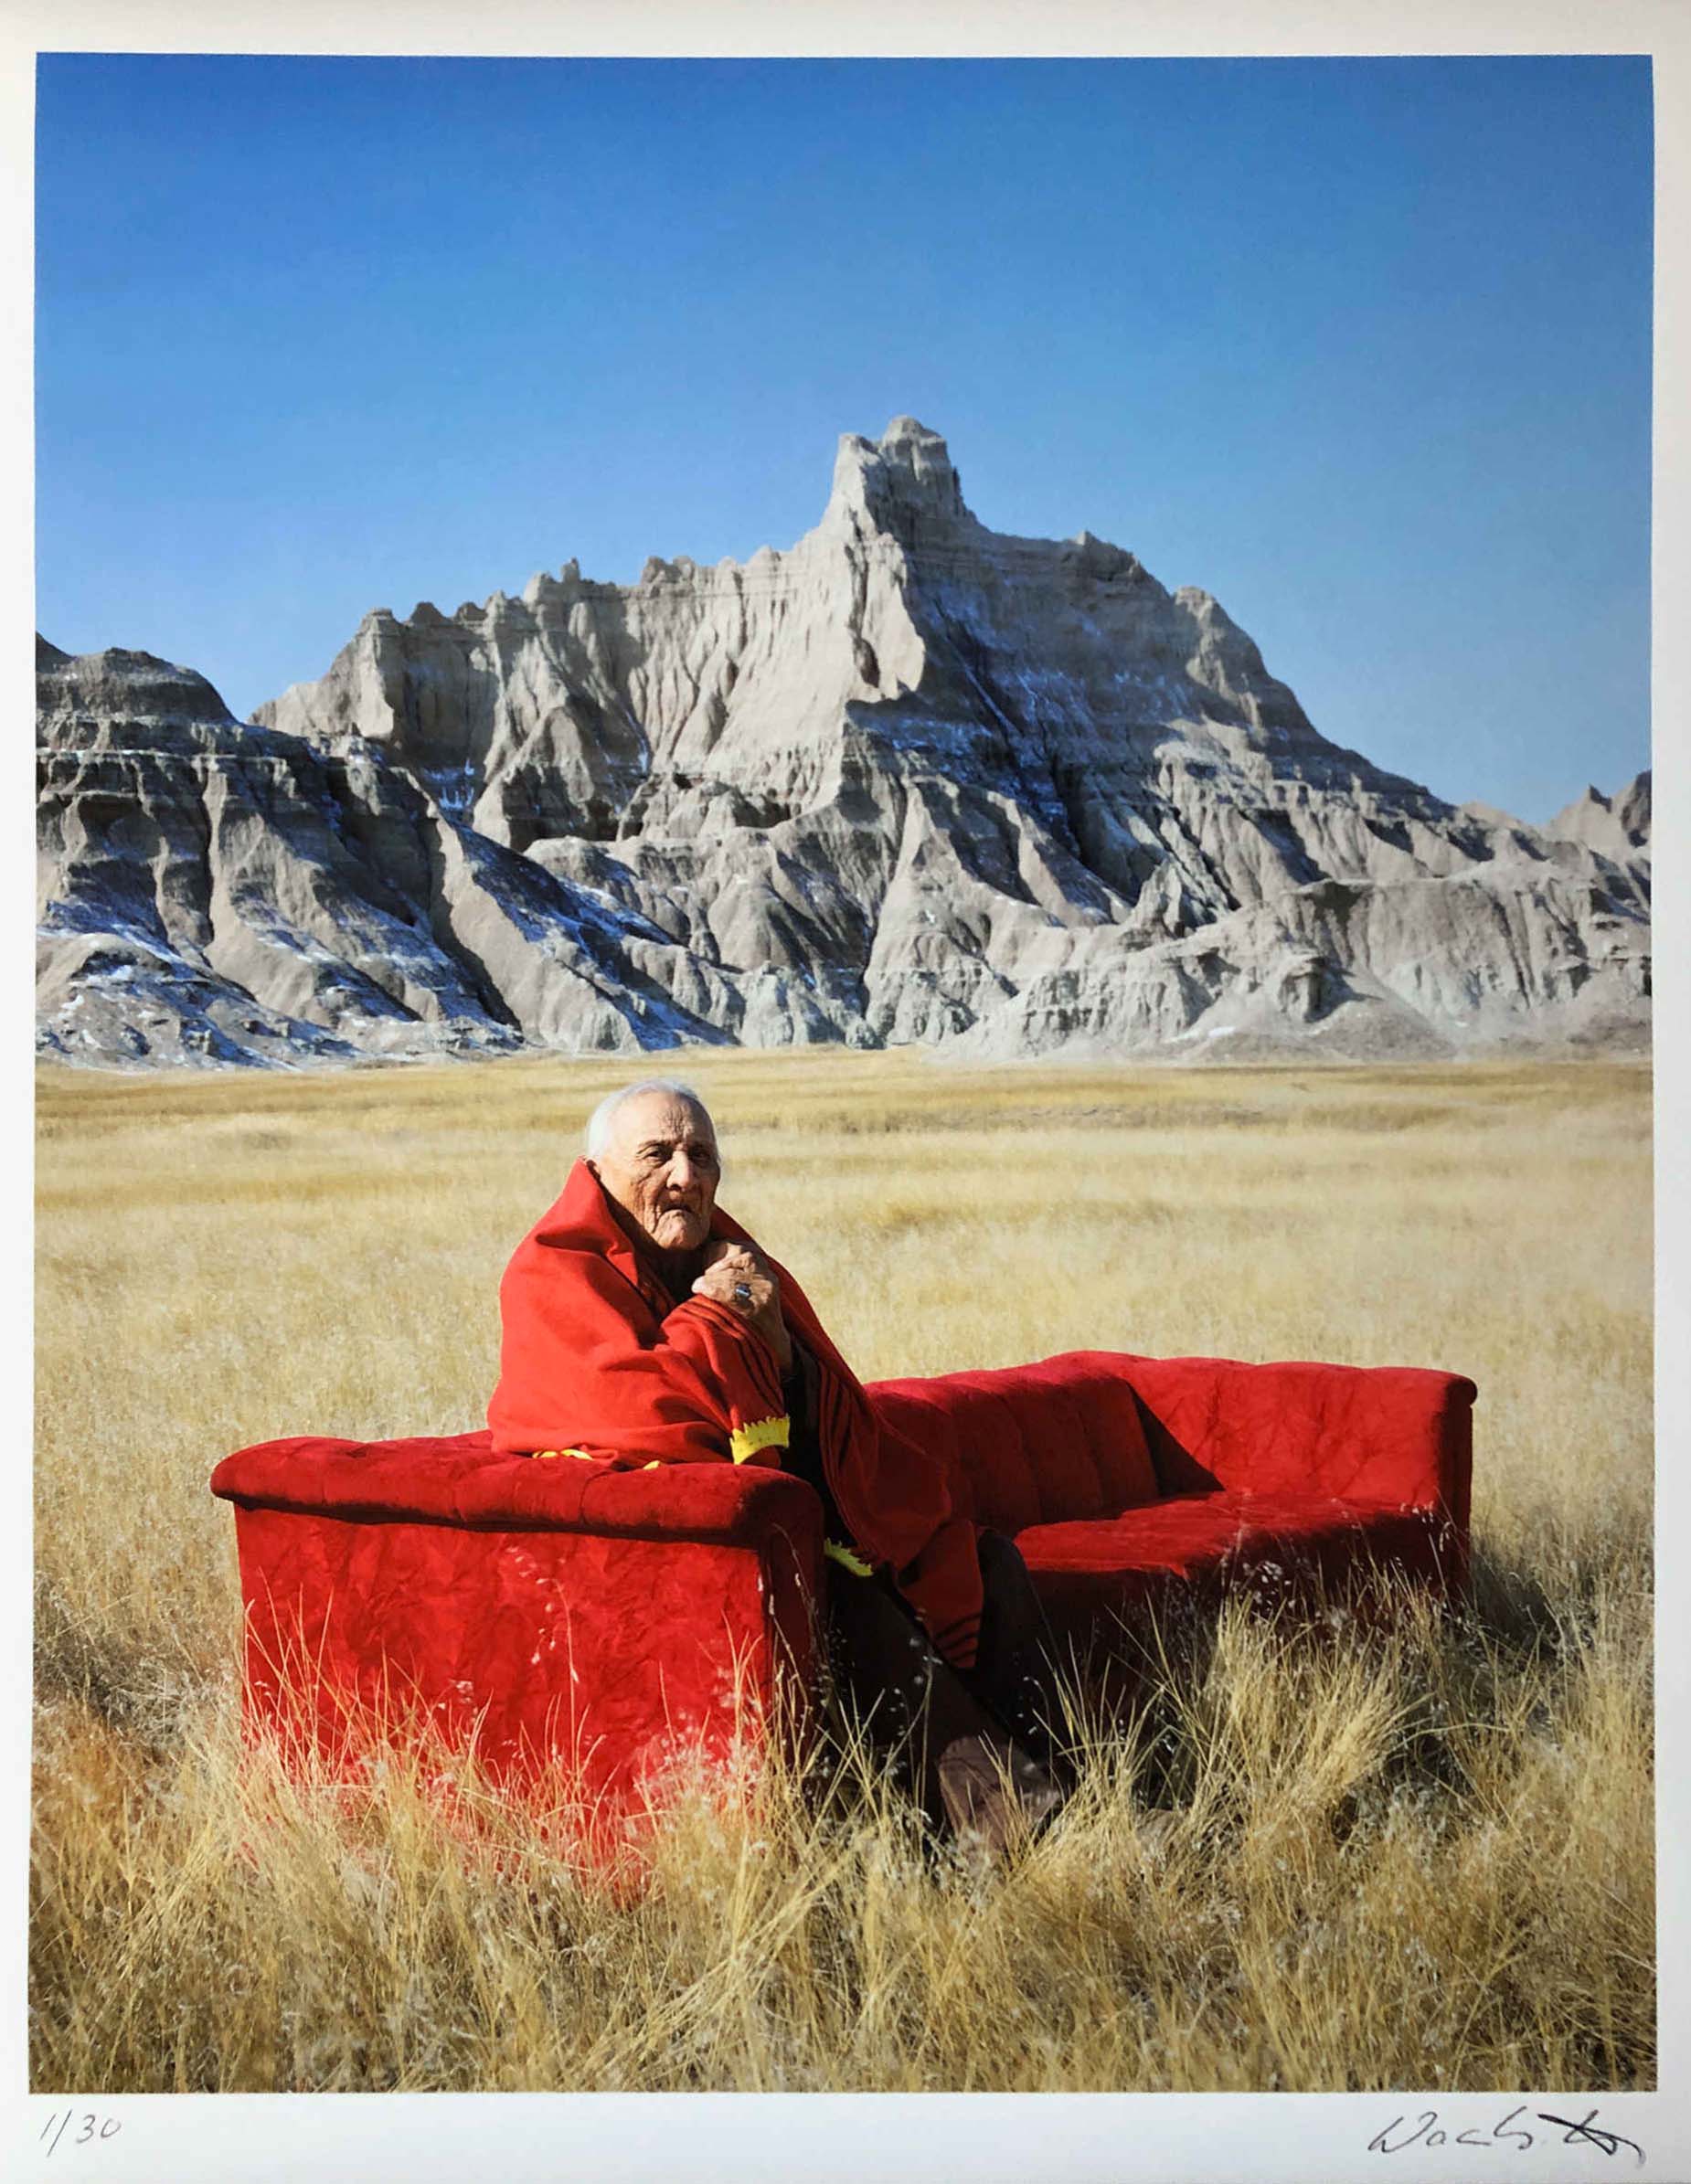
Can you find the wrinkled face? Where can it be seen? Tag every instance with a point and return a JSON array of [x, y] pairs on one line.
[[661, 1167]]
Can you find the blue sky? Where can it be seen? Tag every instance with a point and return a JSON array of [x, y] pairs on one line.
[[1361, 346]]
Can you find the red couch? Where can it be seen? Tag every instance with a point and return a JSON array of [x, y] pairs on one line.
[[618, 1619]]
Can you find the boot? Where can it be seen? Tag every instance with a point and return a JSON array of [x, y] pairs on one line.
[[994, 1797]]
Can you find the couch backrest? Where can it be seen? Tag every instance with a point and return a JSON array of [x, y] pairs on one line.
[[1041, 1444], [1392, 1436]]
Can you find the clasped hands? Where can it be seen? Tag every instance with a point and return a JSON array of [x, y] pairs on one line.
[[739, 1276]]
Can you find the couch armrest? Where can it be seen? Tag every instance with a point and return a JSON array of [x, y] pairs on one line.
[[1391, 1436], [532, 1606], [458, 1481]]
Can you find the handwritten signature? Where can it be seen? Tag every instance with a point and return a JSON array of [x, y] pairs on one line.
[[1427, 2131]]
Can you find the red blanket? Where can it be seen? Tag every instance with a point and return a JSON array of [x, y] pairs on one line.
[[599, 1363]]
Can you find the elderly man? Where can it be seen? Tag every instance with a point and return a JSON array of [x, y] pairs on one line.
[[642, 1325]]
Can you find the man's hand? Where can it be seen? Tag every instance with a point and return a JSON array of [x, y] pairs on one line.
[[739, 1276]]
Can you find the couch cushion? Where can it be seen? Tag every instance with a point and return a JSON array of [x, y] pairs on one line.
[[1273, 1540], [1044, 1444]]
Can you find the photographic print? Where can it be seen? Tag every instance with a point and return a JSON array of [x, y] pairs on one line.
[[843, 1080]]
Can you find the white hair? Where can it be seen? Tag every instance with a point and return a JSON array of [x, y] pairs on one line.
[[598, 1122]]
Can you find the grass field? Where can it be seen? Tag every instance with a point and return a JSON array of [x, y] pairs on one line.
[[1421, 1859]]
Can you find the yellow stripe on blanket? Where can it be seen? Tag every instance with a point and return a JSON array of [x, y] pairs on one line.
[[585, 1457], [768, 1433], [847, 1558]]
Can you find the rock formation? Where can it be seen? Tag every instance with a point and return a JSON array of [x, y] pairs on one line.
[[1620, 829], [911, 780], [218, 891]]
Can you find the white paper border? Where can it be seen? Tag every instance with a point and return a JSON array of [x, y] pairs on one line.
[[1255, 2139]]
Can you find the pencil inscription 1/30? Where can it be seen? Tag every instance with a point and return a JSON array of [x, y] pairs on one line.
[[90, 2129]]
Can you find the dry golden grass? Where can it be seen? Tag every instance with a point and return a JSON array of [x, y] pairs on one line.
[[1421, 1859]]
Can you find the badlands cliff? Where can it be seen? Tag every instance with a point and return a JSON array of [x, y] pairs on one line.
[[911, 780]]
